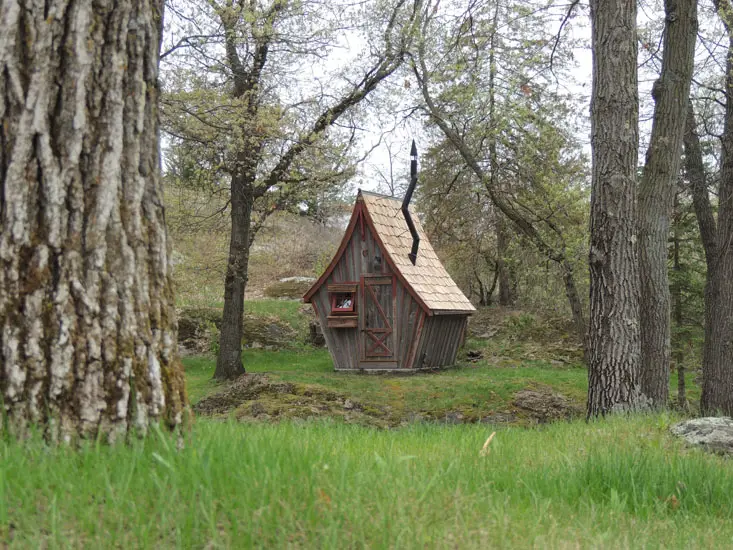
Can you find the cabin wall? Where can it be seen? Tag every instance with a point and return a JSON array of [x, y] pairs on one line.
[[360, 258], [440, 338], [408, 319]]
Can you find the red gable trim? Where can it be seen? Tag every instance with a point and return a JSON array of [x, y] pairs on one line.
[[355, 215]]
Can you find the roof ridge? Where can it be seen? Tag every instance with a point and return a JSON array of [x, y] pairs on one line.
[[380, 195]]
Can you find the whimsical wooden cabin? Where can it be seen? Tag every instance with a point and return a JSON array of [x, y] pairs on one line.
[[379, 311]]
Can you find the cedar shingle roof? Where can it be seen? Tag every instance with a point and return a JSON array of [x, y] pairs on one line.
[[428, 278]]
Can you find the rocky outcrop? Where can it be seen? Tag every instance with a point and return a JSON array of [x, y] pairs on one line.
[[198, 331], [545, 405], [712, 433]]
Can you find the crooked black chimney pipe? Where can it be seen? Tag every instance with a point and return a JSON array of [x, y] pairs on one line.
[[406, 202]]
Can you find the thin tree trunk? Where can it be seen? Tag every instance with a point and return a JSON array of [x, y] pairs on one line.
[[492, 288], [502, 244], [613, 336], [656, 195], [502, 237], [481, 292], [87, 315], [576, 306], [229, 361], [705, 219], [679, 355], [695, 169]]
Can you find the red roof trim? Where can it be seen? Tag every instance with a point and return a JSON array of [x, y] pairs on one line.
[[340, 252]]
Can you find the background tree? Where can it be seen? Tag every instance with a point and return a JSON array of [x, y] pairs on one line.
[[656, 195], [687, 282], [490, 95], [87, 318], [716, 234], [273, 126]]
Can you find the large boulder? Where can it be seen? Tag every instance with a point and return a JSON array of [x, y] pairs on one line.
[[545, 405], [713, 433], [267, 331]]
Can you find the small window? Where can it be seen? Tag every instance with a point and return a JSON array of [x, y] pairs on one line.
[[343, 298], [342, 302]]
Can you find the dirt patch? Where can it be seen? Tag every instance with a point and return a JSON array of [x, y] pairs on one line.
[[544, 405], [256, 397]]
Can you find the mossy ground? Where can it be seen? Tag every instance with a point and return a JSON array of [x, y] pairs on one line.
[[508, 353], [466, 393]]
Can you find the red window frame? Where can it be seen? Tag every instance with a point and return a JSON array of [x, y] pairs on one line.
[[337, 296]]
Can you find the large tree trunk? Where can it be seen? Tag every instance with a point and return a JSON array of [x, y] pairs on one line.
[[229, 361], [87, 316], [717, 388], [656, 195], [613, 336]]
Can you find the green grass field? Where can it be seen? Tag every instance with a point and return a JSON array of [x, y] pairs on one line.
[[620, 483], [324, 484]]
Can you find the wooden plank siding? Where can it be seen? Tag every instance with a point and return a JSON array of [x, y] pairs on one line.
[[344, 343], [439, 341]]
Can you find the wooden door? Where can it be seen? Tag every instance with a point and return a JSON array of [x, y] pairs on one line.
[[377, 319]]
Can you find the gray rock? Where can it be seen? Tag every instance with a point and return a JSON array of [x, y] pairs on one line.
[[498, 418], [298, 280], [713, 433]]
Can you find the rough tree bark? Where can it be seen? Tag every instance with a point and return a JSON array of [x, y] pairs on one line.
[[656, 195], [613, 335], [87, 318]]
